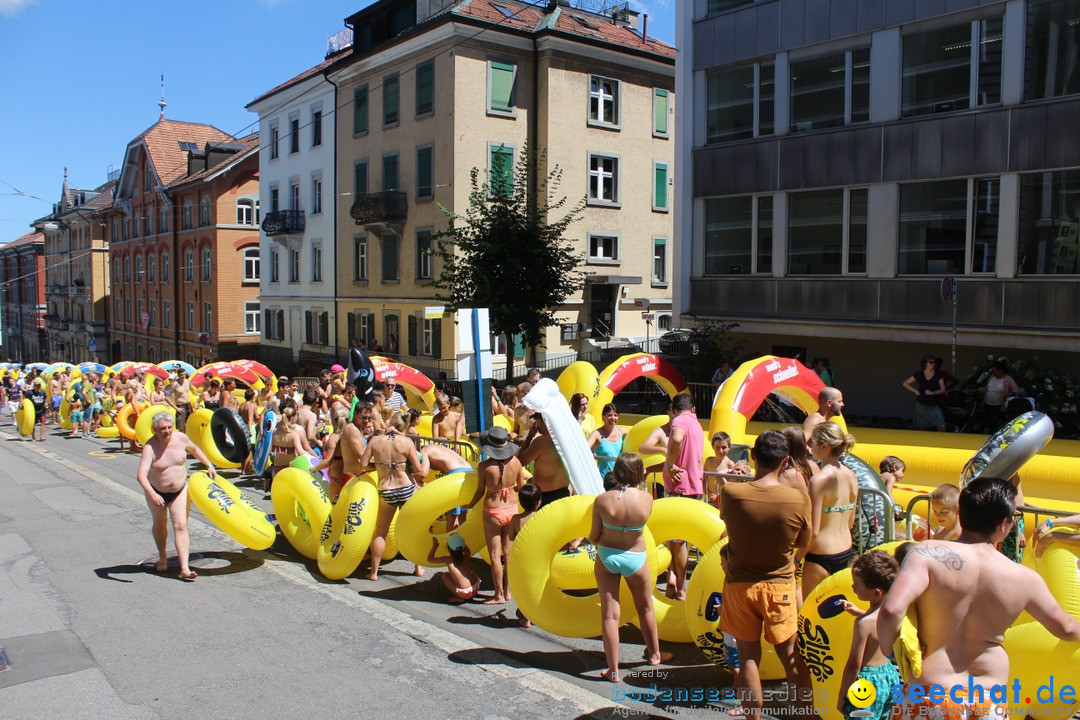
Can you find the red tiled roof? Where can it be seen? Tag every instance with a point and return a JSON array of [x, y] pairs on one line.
[[27, 239], [249, 143], [163, 139], [103, 199], [310, 72]]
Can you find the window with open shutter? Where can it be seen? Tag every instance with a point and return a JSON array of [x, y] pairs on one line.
[[281, 324], [307, 327], [351, 328], [412, 335], [370, 328], [324, 328], [268, 327], [436, 338]]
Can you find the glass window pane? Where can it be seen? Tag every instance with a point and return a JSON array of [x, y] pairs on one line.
[[1049, 223], [764, 234], [390, 100], [817, 93], [360, 110], [767, 89], [730, 105], [390, 172], [1053, 46], [501, 178], [933, 228], [424, 183], [857, 230], [990, 32], [937, 70], [860, 85], [984, 243], [727, 236], [425, 88], [360, 179], [816, 232]]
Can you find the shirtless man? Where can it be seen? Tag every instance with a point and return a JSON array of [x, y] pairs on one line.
[[830, 405], [353, 442], [391, 454], [966, 594], [447, 423], [548, 469], [228, 400], [656, 444], [179, 396], [307, 420], [249, 412], [163, 476], [522, 413], [54, 397]]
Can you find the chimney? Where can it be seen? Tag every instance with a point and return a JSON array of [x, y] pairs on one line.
[[645, 29]]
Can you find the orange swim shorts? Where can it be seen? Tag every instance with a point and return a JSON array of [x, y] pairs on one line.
[[746, 608]]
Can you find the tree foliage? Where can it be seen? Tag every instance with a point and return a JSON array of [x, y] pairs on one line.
[[505, 252]]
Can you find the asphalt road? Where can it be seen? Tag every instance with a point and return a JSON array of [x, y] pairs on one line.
[[92, 632]]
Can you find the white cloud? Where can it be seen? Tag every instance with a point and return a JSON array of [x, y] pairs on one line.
[[11, 8]]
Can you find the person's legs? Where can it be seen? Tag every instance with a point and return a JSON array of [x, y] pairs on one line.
[[641, 587], [493, 536], [748, 682], [161, 534], [798, 675], [178, 514], [378, 543], [607, 584], [812, 574]]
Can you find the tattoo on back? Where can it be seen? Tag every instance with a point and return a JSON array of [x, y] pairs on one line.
[[946, 556]]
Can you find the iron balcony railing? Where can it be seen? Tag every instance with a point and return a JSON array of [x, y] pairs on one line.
[[389, 206], [284, 222]]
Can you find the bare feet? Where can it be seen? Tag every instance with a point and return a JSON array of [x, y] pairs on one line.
[[610, 675], [162, 566], [681, 595], [495, 601], [418, 570], [522, 620], [188, 575], [662, 657], [456, 600], [373, 576]]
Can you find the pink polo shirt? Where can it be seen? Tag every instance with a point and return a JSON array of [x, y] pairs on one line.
[[689, 457]]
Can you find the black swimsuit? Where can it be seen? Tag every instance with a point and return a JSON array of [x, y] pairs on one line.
[[168, 497]]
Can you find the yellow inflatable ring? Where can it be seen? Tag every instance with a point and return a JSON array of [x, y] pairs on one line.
[[301, 507], [416, 518], [575, 569], [231, 511], [699, 524], [64, 413], [704, 592], [579, 377], [24, 418], [125, 420], [348, 529], [143, 429], [198, 429], [107, 433], [390, 550], [503, 421], [530, 571]]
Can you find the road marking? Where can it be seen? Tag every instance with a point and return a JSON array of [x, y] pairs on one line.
[[102, 454], [539, 681]]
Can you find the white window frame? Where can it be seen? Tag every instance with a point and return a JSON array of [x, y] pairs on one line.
[[207, 265], [252, 318], [275, 258], [191, 315], [166, 314], [275, 140], [316, 194], [427, 336], [603, 97], [208, 317], [596, 177], [189, 265], [165, 277], [245, 211], [205, 211], [660, 280], [294, 265], [361, 258], [603, 258], [316, 262]]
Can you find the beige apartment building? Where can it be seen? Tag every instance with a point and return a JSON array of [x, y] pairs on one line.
[[428, 94]]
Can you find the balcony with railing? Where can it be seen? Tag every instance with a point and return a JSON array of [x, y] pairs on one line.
[[284, 222], [388, 206]]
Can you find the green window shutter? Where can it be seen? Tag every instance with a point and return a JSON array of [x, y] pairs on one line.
[[501, 88], [389, 257], [519, 346], [412, 335], [281, 324], [267, 332], [501, 180], [436, 338], [307, 326], [351, 328], [425, 88], [390, 100], [424, 180], [660, 185], [360, 186], [324, 328], [370, 327], [660, 112], [360, 110]]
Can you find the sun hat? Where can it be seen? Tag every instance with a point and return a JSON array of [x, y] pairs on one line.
[[336, 368], [455, 542], [495, 443]]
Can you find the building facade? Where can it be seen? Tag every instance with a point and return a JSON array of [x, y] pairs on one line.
[[77, 274], [843, 157], [429, 93], [184, 246], [22, 298]]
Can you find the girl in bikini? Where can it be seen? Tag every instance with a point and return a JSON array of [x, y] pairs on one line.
[[284, 443], [834, 493], [607, 441], [619, 517], [391, 455], [332, 455], [499, 478]]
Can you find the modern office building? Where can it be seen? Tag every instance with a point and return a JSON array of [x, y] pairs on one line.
[[842, 157], [22, 298]]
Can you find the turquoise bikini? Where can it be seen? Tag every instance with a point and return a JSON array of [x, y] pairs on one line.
[[621, 562]]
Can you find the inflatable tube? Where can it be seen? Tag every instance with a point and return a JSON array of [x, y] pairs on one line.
[[744, 391], [575, 569], [699, 524], [628, 368], [230, 435], [301, 507], [531, 583], [419, 388], [24, 417], [1007, 450], [361, 373], [107, 433], [704, 596], [267, 426], [874, 511], [198, 430], [579, 377], [231, 511], [306, 462], [64, 413], [348, 529], [125, 420], [499, 420], [417, 519], [566, 434], [143, 429], [390, 550]]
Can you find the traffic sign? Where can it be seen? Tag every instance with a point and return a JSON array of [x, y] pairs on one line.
[[92, 345], [648, 317], [948, 287]]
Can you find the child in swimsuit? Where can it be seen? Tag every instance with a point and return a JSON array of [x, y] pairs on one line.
[[530, 497], [872, 575], [459, 577], [499, 479]]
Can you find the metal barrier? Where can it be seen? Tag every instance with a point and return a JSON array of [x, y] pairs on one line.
[[464, 449], [872, 503]]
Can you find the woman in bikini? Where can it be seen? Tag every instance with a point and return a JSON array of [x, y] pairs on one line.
[[211, 397], [802, 467], [498, 480], [285, 444], [607, 441], [619, 517], [332, 459], [834, 492], [391, 454], [157, 396]]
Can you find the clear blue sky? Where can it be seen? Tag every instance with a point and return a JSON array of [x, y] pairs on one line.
[[79, 79]]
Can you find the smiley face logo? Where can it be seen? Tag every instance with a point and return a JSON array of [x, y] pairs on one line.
[[862, 693]]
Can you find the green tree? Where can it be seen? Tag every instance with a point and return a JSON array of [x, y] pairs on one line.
[[505, 252]]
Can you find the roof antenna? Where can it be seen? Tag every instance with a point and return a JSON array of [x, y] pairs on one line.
[[161, 102]]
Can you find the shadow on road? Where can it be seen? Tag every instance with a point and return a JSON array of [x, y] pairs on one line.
[[208, 564], [576, 663]]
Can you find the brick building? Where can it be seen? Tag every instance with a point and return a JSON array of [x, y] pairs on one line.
[[22, 297]]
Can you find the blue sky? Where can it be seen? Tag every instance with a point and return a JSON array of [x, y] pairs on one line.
[[79, 80]]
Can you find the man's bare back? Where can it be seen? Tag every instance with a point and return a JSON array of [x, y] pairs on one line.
[[812, 420], [548, 469], [352, 449]]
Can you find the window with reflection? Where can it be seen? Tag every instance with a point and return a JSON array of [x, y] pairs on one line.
[[1053, 48], [830, 91], [1049, 235], [933, 227], [739, 103], [952, 68]]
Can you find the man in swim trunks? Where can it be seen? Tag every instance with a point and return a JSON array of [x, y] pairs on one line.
[[767, 522], [54, 397], [683, 477], [179, 396], [966, 594], [163, 476], [830, 405], [548, 469]]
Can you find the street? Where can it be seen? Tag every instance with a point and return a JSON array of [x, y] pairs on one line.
[[92, 632]]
